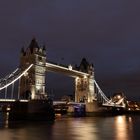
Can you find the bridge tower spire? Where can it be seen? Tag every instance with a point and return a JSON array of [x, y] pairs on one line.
[[84, 86], [33, 83]]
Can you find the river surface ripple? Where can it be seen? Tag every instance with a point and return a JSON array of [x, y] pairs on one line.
[[122, 127]]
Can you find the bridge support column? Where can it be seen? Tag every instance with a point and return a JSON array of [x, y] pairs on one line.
[[91, 108], [81, 89], [84, 89], [84, 86], [91, 93]]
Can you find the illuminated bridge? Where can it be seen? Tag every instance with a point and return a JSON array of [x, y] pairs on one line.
[[10, 80], [30, 79]]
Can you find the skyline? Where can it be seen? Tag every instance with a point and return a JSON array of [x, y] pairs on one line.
[[105, 33]]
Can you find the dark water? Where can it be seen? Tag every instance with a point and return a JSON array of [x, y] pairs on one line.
[[88, 128]]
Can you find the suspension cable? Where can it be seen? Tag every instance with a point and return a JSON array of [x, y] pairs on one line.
[[8, 83]]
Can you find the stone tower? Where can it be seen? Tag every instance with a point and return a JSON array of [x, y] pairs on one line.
[[84, 86], [32, 84]]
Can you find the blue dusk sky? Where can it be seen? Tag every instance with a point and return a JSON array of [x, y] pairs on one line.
[[106, 32]]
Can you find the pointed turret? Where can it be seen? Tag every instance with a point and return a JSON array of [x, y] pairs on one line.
[[44, 49], [22, 52], [33, 45], [84, 65]]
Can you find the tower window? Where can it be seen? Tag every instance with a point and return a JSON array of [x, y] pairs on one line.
[[39, 58]]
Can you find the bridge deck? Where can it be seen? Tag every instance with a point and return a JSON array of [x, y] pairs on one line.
[[65, 70]]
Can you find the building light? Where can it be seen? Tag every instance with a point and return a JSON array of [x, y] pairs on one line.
[[118, 96], [77, 78], [8, 109], [26, 74], [70, 67], [85, 76]]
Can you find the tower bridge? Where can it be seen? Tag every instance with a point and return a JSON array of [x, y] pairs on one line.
[[32, 80]]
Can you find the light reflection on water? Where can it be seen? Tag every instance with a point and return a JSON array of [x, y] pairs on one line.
[[89, 128], [123, 127]]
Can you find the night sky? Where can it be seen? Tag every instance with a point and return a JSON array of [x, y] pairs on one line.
[[106, 32]]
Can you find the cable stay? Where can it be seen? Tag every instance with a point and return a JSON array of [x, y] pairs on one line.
[[101, 92], [13, 77], [106, 101]]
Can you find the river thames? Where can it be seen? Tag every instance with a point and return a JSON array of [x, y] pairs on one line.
[[122, 127]]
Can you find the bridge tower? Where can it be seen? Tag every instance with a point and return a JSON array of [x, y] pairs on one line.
[[32, 85], [84, 86]]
